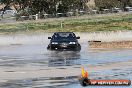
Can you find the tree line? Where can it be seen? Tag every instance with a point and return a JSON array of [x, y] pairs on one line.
[[113, 3], [46, 6], [26, 7]]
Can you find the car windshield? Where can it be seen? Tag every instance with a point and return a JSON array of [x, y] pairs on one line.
[[62, 36]]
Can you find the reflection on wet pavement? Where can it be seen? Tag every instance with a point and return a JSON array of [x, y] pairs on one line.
[[66, 58]]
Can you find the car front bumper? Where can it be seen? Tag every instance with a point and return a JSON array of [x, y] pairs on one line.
[[65, 47]]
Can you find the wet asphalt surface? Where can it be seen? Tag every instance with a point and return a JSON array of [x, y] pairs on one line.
[[23, 50]]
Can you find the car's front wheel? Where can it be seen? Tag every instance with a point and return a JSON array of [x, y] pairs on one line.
[[78, 48]]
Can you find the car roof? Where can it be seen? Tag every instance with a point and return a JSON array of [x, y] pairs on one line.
[[63, 32]]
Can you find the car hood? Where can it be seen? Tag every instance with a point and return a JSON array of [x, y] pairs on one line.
[[64, 40]]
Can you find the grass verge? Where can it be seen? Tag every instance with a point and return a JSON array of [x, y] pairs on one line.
[[91, 24]]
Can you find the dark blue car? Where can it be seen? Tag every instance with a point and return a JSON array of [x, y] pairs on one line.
[[64, 41]]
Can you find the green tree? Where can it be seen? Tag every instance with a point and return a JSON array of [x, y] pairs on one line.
[[48, 6]]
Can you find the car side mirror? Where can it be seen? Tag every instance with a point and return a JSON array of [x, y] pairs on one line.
[[49, 37], [78, 37]]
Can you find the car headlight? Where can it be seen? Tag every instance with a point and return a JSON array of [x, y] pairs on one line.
[[54, 43], [72, 43]]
